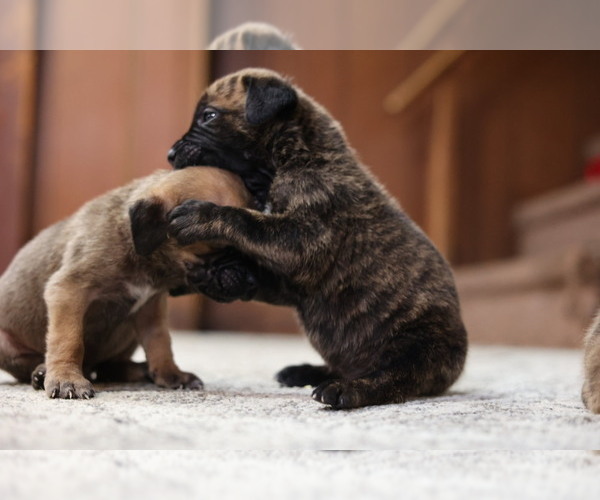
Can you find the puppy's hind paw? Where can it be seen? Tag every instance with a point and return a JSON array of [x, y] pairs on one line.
[[339, 395], [191, 382], [38, 376], [177, 380], [303, 375]]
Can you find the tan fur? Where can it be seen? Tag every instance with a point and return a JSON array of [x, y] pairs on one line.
[[591, 386], [79, 297], [179, 186]]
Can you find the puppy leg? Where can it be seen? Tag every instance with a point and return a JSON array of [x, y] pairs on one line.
[[279, 242], [303, 375], [407, 373], [16, 358], [121, 368], [383, 388], [111, 371], [126, 371], [67, 303], [152, 328]]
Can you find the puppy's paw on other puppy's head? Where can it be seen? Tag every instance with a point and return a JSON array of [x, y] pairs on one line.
[[188, 221]]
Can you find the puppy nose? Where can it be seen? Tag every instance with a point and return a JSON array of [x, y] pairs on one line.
[[171, 156]]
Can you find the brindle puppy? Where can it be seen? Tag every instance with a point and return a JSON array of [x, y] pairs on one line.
[[591, 387], [376, 299], [86, 291]]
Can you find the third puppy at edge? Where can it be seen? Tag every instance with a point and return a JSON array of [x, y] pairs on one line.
[[376, 299], [590, 392]]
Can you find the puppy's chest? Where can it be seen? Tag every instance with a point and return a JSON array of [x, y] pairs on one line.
[[113, 307], [140, 294]]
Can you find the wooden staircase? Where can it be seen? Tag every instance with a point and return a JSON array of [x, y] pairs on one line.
[[547, 294]]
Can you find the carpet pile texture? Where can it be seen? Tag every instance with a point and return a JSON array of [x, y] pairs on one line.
[[513, 426]]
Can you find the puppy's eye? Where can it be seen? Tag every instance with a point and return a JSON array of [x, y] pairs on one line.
[[207, 115]]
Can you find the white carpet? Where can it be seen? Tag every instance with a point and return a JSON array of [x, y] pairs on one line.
[[508, 398], [509, 402], [406, 475]]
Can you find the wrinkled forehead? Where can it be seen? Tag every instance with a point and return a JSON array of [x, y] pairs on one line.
[[227, 92]]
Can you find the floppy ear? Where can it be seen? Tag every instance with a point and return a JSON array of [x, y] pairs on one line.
[[149, 225], [268, 98]]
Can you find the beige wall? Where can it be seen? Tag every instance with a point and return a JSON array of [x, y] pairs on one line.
[[104, 24], [96, 120], [315, 24], [326, 24]]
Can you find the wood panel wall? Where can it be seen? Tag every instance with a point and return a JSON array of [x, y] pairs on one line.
[[524, 121], [503, 127], [103, 118], [123, 24], [17, 120]]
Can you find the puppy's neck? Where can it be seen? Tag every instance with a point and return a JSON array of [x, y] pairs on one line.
[[313, 136], [159, 269]]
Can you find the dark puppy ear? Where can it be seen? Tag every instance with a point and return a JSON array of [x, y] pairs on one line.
[[149, 225], [268, 98]]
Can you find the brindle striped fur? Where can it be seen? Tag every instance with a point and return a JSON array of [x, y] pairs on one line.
[[376, 299]]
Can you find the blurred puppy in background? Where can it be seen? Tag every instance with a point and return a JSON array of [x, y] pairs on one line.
[[253, 36]]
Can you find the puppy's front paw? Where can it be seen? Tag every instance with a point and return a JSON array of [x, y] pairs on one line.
[[224, 280], [176, 379], [73, 388], [190, 221], [235, 282]]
